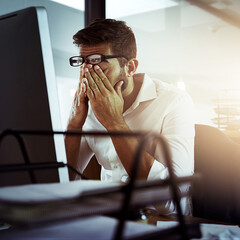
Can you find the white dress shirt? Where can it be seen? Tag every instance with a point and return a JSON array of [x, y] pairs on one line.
[[160, 108]]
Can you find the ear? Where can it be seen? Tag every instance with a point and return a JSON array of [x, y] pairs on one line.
[[132, 65]]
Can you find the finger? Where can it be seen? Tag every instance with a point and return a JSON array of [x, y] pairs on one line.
[[90, 81], [81, 89], [88, 90], [82, 95], [97, 80], [77, 93], [79, 96], [81, 72], [103, 77], [118, 88]]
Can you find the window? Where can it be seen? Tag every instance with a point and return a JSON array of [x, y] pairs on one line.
[[195, 47]]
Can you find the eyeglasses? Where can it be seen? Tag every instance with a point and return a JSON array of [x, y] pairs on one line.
[[77, 61]]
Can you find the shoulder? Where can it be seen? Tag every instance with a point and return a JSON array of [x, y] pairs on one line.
[[170, 94]]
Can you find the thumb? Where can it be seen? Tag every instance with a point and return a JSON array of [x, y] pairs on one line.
[[118, 88]]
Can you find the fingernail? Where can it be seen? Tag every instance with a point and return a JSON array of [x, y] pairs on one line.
[[86, 69], [90, 65], [97, 67]]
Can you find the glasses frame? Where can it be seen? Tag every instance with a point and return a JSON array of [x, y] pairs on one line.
[[103, 57]]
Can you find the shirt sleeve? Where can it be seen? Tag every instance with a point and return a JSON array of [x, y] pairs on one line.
[[157, 171], [178, 129], [85, 154]]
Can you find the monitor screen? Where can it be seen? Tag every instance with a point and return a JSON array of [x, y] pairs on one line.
[[28, 95]]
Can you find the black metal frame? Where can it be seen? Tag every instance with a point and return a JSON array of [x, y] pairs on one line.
[[129, 188], [94, 9], [28, 165]]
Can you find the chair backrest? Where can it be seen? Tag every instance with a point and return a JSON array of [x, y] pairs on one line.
[[217, 158]]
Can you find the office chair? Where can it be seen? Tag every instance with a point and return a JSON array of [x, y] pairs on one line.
[[217, 158]]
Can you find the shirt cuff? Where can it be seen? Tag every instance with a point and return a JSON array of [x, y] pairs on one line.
[[157, 171]]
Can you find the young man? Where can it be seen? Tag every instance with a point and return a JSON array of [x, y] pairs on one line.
[[111, 97]]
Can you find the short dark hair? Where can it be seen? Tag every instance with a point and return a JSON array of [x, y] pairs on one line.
[[120, 37]]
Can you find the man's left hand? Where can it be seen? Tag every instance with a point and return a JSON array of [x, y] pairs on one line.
[[106, 101]]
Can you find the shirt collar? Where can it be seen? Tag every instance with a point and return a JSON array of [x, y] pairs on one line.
[[147, 91]]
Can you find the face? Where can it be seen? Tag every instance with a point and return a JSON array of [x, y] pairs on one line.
[[110, 67]]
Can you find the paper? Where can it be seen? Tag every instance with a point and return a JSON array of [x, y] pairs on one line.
[[209, 231], [34, 193], [94, 228]]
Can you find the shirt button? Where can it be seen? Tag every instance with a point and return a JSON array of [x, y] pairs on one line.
[[115, 166]]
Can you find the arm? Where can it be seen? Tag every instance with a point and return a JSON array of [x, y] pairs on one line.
[[177, 126], [107, 104], [126, 149], [76, 120], [179, 130]]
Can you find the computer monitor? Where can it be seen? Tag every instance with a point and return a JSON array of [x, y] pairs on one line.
[[28, 95]]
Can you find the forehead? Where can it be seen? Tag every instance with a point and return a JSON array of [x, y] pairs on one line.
[[99, 48]]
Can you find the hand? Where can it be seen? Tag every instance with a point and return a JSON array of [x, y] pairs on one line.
[[106, 101], [80, 106]]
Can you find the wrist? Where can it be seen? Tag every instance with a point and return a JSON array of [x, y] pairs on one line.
[[74, 126], [120, 126]]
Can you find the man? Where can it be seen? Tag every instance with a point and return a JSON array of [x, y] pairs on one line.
[[111, 97]]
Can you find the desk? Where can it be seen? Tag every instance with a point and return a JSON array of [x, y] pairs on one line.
[[207, 226], [153, 217]]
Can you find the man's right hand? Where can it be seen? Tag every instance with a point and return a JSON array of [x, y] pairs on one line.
[[80, 106], [76, 120]]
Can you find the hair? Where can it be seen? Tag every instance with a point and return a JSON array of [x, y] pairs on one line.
[[116, 33]]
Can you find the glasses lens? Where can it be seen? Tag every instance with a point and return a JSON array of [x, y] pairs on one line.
[[76, 61], [94, 59]]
